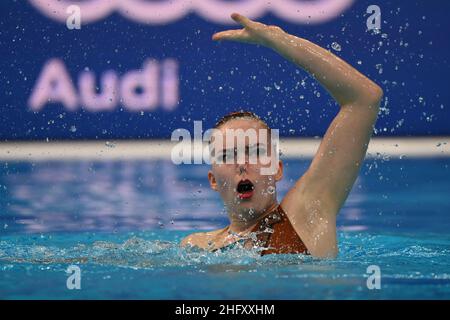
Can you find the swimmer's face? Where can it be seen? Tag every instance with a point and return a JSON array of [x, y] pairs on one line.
[[242, 185]]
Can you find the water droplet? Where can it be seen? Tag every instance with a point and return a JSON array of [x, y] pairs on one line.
[[336, 46], [271, 189]]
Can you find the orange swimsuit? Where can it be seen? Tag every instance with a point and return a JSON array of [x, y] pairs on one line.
[[276, 233]]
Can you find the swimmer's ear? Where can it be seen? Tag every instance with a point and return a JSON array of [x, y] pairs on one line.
[[279, 174], [212, 180]]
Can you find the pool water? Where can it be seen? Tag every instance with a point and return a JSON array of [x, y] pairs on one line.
[[121, 222]]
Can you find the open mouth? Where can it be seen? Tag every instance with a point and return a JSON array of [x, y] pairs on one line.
[[245, 189]]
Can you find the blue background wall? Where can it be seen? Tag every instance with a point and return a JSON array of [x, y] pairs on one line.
[[409, 59]]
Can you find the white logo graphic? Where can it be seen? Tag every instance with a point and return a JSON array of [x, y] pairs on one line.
[[74, 280], [74, 19], [374, 279], [217, 11], [374, 20]]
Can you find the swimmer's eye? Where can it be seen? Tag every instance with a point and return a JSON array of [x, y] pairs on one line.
[[232, 154], [261, 151], [227, 155], [258, 151]]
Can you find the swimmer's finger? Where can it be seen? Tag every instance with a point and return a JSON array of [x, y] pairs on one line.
[[222, 35], [243, 20], [236, 35]]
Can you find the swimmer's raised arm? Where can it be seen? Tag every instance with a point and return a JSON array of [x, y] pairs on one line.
[[318, 195]]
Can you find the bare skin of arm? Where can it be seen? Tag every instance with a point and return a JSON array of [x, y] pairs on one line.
[[315, 200]]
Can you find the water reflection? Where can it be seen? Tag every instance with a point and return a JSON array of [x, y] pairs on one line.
[[141, 195], [75, 196]]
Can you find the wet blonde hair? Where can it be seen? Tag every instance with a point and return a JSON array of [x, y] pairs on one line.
[[239, 115]]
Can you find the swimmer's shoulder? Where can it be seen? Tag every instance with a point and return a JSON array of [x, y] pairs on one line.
[[204, 240]]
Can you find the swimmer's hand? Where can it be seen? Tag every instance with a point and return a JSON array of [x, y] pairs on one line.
[[253, 32]]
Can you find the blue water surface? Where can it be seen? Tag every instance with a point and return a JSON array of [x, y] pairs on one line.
[[121, 222]]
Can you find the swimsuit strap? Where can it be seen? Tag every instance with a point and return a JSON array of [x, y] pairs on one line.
[[276, 233], [265, 228]]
